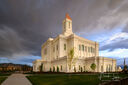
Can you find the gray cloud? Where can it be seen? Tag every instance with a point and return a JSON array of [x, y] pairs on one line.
[[26, 24], [122, 44]]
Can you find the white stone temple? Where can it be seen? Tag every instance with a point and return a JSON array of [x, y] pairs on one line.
[[71, 53]]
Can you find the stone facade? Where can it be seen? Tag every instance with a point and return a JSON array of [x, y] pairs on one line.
[[55, 53]]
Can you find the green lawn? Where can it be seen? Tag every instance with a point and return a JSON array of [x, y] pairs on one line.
[[5, 74], [63, 79], [2, 78]]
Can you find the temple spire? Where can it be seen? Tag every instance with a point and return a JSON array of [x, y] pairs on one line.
[[67, 25], [124, 62], [67, 16]]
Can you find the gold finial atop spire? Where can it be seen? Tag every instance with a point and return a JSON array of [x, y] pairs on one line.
[[67, 16]]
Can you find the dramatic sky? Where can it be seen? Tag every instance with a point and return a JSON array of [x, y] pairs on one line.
[[26, 24]]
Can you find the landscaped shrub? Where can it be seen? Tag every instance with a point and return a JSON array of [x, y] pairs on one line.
[[53, 69], [41, 68], [93, 66], [50, 69], [74, 69], [81, 69], [57, 69]]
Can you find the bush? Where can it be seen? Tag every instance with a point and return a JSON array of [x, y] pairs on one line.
[[81, 69], [93, 66], [74, 69], [57, 69], [50, 69], [53, 69]]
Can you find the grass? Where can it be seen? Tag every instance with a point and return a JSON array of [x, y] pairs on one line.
[[2, 78], [5, 74], [63, 79], [69, 79]]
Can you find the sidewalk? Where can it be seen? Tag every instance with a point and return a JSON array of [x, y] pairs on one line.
[[16, 79]]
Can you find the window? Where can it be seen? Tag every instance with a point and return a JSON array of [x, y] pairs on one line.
[[91, 49], [83, 47], [69, 24], [61, 68], [79, 67], [64, 46], [45, 51], [79, 47], [56, 57], [88, 49], [84, 68], [53, 49], [64, 25], [56, 47]]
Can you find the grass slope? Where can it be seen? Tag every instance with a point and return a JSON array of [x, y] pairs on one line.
[[2, 78], [64, 79]]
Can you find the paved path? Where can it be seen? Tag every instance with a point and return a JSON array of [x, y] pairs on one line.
[[16, 79]]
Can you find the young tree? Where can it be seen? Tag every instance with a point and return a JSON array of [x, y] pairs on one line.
[[93, 66], [71, 58]]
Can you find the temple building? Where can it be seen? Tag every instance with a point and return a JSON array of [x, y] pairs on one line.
[[71, 53]]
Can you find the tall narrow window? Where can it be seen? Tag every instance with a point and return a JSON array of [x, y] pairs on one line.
[[84, 68], [64, 46], [61, 68], [69, 25], [79, 67], [64, 25], [88, 49], [91, 50], [56, 47], [45, 51], [79, 47], [83, 47], [94, 50], [56, 57], [53, 49]]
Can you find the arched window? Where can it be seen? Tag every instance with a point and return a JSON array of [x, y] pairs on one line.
[[57, 47], [64, 46], [64, 25], [84, 68], [83, 47], [69, 25], [45, 51], [61, 68], [79, 67], [79, 47], [53, 49]]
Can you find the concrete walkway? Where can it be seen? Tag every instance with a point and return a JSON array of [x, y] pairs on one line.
[[16, 79]]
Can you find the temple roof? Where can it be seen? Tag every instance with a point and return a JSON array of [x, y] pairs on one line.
[[67, 16]]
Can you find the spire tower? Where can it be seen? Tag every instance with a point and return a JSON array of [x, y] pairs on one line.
[[67, 25]]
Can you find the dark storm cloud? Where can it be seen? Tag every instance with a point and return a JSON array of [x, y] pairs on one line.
[[122, 44], [10, 42], [26, 24]]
